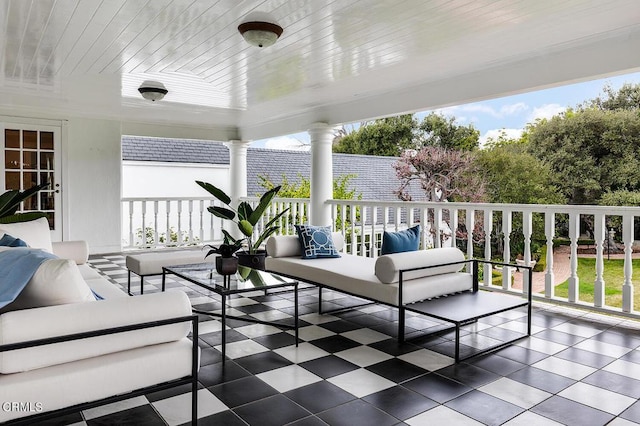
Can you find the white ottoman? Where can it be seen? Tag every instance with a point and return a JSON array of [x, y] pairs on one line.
[[146, 264]]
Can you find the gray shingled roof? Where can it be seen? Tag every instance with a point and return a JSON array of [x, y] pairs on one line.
[[375, 177], [136, 148]]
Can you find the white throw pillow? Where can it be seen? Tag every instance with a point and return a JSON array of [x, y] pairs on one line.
[[56, 282], [36, 233]]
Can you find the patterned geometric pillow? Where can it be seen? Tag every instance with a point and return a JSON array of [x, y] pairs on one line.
[[316, 242]]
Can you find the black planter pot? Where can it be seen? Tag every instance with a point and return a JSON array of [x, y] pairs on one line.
[[254, 261], [226, 265]]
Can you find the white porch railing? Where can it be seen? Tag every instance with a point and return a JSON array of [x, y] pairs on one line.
[[171, 222]]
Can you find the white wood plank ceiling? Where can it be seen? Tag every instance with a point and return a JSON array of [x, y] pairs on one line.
[[337, 60]]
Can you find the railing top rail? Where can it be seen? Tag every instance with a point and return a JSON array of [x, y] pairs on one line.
[[551, 208]]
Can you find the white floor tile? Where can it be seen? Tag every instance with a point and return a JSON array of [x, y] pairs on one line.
[[177, 410], [515, 392], [361, 382], [365, 336], [564, 368], [303, 352], [104, 410], [257, 330], [602, 348], [286, 378], [242, 348], [593, 396], [442, 415], [531, 419], [363, 356], [427, 359]]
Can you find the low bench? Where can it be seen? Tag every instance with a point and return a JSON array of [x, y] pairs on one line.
[[148, 264], [429, 282]]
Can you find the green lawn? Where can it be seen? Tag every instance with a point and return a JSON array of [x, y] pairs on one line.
[[613, 280]]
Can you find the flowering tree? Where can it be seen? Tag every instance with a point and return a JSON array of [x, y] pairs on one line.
[[443, 174]]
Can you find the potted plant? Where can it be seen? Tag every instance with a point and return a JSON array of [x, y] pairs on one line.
[[246, 218], [226, 262]]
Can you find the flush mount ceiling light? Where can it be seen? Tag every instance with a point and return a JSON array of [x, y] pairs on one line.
[[260, 34], [152, 90]]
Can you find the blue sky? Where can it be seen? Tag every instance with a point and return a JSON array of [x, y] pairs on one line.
[[509, 114]]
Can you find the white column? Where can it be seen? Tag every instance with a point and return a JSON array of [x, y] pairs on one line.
[[237, 175], [321, 136]]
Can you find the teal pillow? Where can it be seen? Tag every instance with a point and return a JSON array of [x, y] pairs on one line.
[[316, 242], [9, 241], [401, 241]]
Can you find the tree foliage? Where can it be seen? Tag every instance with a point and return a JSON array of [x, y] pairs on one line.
[[442, 173]]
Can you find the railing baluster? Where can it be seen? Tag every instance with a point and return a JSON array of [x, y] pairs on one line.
[[549, 277], [599, 235], [627, 238]]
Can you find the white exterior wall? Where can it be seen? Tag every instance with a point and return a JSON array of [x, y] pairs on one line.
[[147, 179]]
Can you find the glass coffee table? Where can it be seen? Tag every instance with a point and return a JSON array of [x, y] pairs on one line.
[[244, 281]]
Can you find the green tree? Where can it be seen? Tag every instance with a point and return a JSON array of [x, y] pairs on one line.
[[385, 137], [438, 130]]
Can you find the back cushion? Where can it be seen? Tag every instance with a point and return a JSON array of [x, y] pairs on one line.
[[56, 282], [35, 233], [388, 266]]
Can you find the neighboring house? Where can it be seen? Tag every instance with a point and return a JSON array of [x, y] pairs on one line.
[[157, 167]]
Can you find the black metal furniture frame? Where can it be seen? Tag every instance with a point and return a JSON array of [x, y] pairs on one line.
[[223, 296], [191, 379], [439, 307]]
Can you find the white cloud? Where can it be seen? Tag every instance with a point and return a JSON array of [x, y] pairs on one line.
[[496, 133], [286, 142], [546, 111]]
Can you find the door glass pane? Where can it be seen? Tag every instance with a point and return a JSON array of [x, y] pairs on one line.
[[30, 139], [29, 179], [46, 200], [31, 203], [46, 140], [11, 138], [12, 159], [29, 160], [12, 180], [46, 161]]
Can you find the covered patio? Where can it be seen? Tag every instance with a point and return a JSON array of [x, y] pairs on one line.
[[72, 69]]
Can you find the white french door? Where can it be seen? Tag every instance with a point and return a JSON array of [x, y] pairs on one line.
[[30, 156]]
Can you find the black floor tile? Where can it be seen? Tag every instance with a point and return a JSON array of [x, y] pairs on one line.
[[484, 408], [436, 387], [571, 413], [614, 382], [143, 415], [357, 413], [261, 362], [468, 374], [632, 413], [319, 396], [400, 402], [214, 374], [549, 382], [226, 418], [397, 370], [276, 410], [242, 391], [328, 366], [277, 340], [334, 344], [583, 357]]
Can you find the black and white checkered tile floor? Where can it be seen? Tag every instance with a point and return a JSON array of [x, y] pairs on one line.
[[576, 369]]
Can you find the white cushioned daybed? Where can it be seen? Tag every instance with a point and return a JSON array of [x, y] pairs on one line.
[[402, 280], [75, 352]]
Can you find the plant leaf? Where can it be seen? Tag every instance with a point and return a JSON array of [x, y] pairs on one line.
[[265, 201], [222, 212], [245, 211], [215, 191]]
